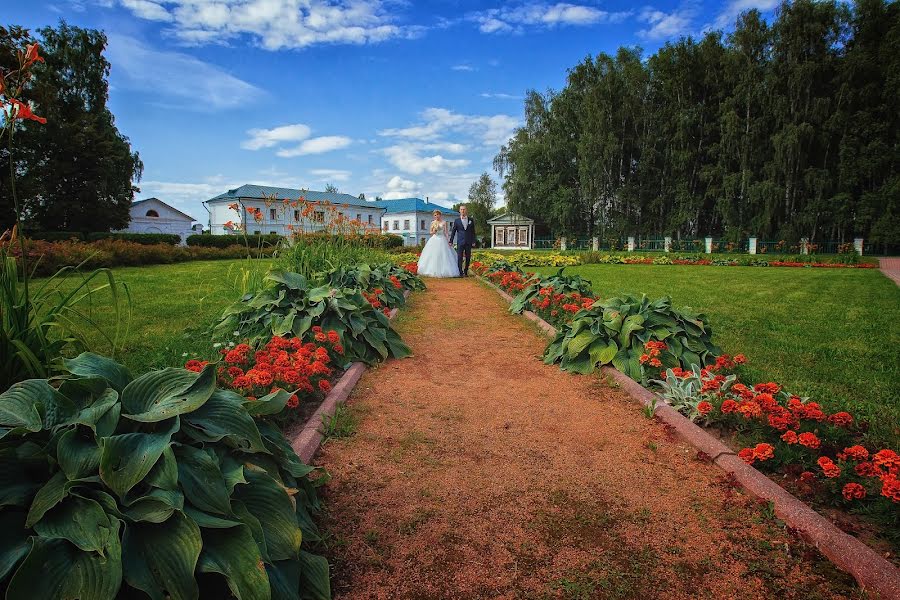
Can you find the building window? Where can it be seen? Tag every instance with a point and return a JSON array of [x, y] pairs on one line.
[[319, 216], [523, 236], [396, 225], [273, 233], [385, 225], [406, 225], [358, 217], [423, 224], [257, 232], [296, 215], [499, 238], [153, 213], [370, 221], [272, 214]]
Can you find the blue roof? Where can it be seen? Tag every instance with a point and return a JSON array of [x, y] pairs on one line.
[[265, 191], [407, 205]]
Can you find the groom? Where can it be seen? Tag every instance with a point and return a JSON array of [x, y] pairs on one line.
[[465, 227]]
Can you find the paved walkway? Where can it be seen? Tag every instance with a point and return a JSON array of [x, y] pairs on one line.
[[479, 472], [891, 268]]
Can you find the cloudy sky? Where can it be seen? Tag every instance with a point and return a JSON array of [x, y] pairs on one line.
[[382, 97]]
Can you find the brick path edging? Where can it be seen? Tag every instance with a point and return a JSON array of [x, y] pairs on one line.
[[872, 571], [306, 439]]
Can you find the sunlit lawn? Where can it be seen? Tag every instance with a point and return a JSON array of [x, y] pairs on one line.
[[172, 309], [830, 334]]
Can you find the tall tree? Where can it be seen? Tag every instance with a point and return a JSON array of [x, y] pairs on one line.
[[331, 188], [482, 199]]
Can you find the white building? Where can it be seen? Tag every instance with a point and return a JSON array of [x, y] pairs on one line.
[[511, 232], [152, 215], [282, 213], [410, 218]]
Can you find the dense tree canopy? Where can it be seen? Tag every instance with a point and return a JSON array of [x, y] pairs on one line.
[[75, 173], [781, 130]]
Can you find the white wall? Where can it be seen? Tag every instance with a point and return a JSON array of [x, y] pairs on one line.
[[169, 221], [221, 214], [419, 226]]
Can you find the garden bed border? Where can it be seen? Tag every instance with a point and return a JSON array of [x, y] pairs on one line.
[[307, 438], [873, 572]]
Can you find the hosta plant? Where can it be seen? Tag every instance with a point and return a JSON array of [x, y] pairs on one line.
[[392, 280], [617, 330], [160, 486], [290, 306], [550, 286]]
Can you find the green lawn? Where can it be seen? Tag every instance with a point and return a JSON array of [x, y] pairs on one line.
[[830, 334], [172, 308]]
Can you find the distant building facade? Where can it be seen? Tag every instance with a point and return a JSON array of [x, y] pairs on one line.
[[410, 218], [152, 215], [511, 232]]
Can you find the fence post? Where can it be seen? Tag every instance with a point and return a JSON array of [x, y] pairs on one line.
[[751, 245], [804, 245], [595, 244], [667, 244], [858, 245], [709, 245], [562, 243], [631, 243]]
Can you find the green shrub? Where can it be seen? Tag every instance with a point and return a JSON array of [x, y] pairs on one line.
[[383, 276], [226, 241], [291, 306], [147, 239], [55, 236], [315, 256], [561, 284], [163, 484], [617, 330]]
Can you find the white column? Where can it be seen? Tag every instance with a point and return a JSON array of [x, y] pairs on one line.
[[531, 236], [667, 244], [595, 243], [751, 245], [493, 235], [858, 245], [804, 245], [562, 243], [631, 243], [709, 245]]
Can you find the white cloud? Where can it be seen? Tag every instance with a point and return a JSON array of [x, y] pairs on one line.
[[493, 130], [732, 9], [276, 24], [664, 25], [407, 158], [463, 67], [173, 76], [500, 96], [331, 174], [397, 187], [266, 138], [319, 145], [516, 18]]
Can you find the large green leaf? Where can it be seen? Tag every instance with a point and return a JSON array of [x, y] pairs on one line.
[[14, 543], [270, 404], [160, 558], [56, 570], [269, 502], [602, 352], [201, 479], [127, 458], [78, 455], [47, 497], [293, 281], [33, 405], [24, 469], [79, 520], [224, 416], [161, 395], [88, 364], [164, 474], [233, 554], [314, 578], [156, 506], [631, 324], [284, 576], [579, 343]]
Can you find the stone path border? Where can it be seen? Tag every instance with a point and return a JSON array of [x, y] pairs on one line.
[[891, 268], [306, 439], [872, 571]]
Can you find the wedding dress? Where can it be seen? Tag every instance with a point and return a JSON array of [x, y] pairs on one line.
[[438, 258]]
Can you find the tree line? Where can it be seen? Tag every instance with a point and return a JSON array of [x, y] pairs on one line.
[[780, 130]]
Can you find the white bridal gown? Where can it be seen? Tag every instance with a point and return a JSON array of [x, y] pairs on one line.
[[438, 258]]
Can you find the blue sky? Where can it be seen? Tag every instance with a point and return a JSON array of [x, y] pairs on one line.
[[379, 97]]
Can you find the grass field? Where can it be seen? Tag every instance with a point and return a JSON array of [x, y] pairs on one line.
[[172, 308], [830, 334]]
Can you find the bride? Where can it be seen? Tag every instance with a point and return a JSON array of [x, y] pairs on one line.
[[438, 258]]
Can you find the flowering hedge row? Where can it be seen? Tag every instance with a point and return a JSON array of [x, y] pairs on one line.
[[47, 258]]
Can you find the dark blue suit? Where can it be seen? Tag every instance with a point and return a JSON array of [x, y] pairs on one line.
[[464, 242]]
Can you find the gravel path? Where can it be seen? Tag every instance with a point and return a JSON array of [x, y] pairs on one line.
[[479, 472], [891, 268]]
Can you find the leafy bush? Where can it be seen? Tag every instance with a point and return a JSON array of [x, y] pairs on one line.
[[616, 331], [226, 241], [391, 280], [147, 239], [554, 285], [162, 484], [55, 236], [291, 306], [315, 256]]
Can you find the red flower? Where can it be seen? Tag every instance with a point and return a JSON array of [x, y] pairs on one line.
[[749, 410], [195, 365], [842, 419], [828, 467], [747, 456], [789, 437], [887, 460], [293, 401], [729, 406], [31, 55], [866, 469], [740, 359], [770, 388], [22, 112], [704, 408], [807, 477], [890, 488], [853, 491], [324, 386], [809, 440], [655, 362], [763, 452], [321, 337], [856, 453]]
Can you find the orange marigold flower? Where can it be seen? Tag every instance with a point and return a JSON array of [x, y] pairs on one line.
[[890, 488], [866, 469], [763, 452], [704, 408], [842, 419], [854, 491], [747, 455], [888, 460], [789, 437], [655, 362], [857, 452], [739, 359], [809, 440], [770, 387], [828, 467], [293, 401], [729, 406], [807, 476], [749, 409], [324, 386], [321, 337]]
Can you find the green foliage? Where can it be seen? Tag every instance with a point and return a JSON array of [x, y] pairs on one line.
[[227, 241], [41, 322], [138, 238], [366, 277], [115, 484], [316, 256], [291, 305], [561, 284], [683, 393], [616, 331]]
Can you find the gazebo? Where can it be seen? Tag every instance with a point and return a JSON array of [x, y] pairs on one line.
[[511, 232]]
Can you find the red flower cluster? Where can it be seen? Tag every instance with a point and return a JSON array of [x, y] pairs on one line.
[[761, 452], [411, 267], [509, 281], [652, 355], [559, 308]]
